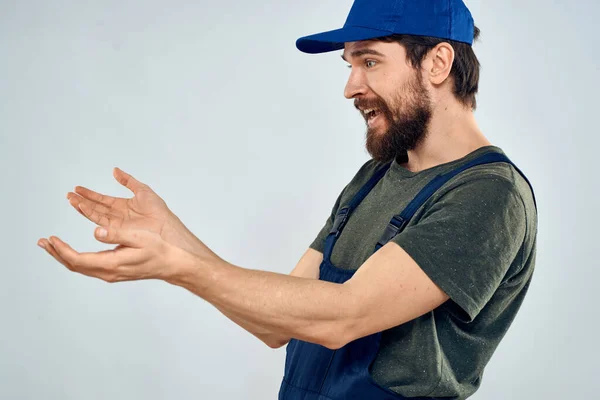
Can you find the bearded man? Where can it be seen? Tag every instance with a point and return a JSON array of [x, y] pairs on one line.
[[429, 250]]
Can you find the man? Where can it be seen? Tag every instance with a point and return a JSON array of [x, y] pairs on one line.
[[427, 255]]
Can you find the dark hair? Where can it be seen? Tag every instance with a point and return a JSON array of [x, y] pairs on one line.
[[465, 69]]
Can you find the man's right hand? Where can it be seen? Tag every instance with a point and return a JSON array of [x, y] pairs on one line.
[[145, 210]]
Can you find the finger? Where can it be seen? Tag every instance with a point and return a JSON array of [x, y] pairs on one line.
[[50, 250], [96, 197], [65, 252], [87, 270], [128, 181], [86, 263], [96, 212], [134, 238], [74, 203]]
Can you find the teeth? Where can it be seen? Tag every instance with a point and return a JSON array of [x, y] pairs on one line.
[[368, 112]]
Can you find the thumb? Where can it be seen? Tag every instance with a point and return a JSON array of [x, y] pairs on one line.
[[126, 237], [127, 180]]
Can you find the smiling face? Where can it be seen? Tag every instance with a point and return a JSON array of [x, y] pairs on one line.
[[390, 95]]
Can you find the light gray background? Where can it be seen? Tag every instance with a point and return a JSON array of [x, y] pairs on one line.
[[211, 104]]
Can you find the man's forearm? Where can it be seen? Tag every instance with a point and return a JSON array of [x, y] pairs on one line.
[[271, 339], [307, 309], [176, 232]]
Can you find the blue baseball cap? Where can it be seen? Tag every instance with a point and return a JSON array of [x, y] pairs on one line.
[[369, 19]]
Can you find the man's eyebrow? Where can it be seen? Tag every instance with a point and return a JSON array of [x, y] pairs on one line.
[[358, 53]]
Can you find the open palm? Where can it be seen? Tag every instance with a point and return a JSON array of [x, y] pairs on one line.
[[145, 210]]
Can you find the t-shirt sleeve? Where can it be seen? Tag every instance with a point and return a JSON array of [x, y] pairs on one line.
[[319, 242], [467, 239]]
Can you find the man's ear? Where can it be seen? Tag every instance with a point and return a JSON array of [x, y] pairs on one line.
[[441, 59]]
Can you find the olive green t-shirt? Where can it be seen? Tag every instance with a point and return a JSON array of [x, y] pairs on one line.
[[475, 238]]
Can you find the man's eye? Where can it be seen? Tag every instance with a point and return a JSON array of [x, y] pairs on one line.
[[368, 64]]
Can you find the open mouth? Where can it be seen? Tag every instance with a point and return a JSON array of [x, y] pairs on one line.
[[371, 115]]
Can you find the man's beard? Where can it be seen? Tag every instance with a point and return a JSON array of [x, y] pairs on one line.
[[407, 123]]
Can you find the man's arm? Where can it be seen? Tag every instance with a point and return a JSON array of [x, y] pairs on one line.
[[307, 267], [389, 289]]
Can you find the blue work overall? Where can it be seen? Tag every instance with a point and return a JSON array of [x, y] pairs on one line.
[[314, 372]]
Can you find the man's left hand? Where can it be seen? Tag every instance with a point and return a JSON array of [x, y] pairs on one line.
[[140, 254]]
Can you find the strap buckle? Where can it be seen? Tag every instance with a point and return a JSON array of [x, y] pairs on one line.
[[340, 220], [393, 228]]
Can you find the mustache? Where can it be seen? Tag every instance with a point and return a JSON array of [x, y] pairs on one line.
[[358, 104]]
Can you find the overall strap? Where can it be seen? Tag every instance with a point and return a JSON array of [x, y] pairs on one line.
[[344, 213], [399, 222]]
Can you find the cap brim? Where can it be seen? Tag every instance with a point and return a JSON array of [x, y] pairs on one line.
[[335, 39]]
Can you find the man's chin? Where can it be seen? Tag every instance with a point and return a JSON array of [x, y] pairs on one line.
[[377, 130], [377, 147]]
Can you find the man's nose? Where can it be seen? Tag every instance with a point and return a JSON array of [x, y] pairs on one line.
[[356, 85]]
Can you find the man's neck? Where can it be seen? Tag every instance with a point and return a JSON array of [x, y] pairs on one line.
[[452, 134]]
